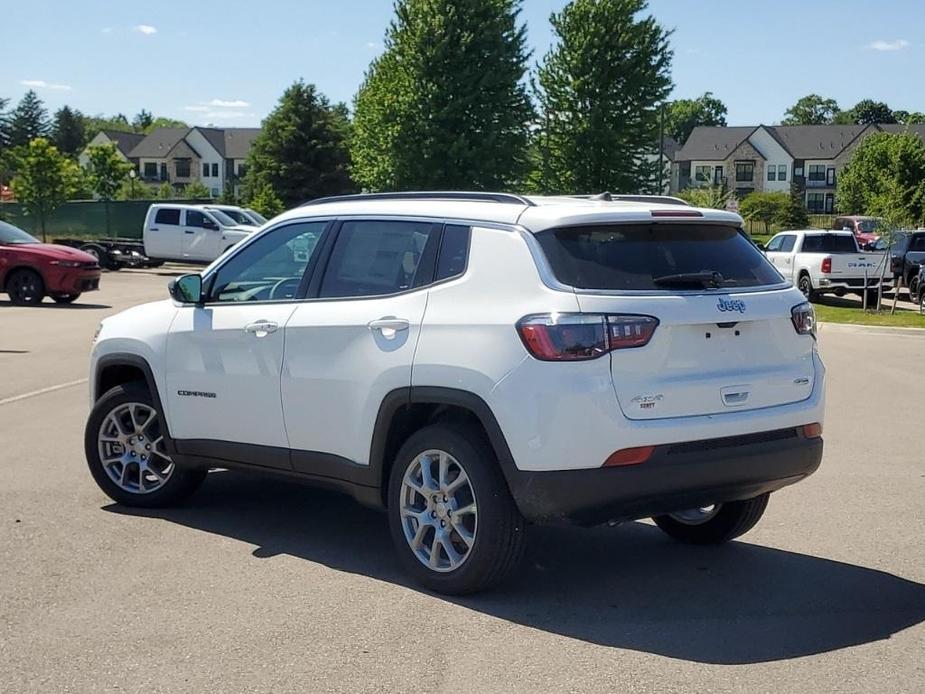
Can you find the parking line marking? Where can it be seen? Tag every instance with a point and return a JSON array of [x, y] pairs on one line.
[[42, 391]]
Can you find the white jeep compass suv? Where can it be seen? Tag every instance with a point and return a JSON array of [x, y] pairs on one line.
[[471, 363]]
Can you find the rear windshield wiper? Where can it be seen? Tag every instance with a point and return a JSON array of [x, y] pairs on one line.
[[711, 279]]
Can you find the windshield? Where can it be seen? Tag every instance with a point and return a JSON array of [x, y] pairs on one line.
[[222, 218], [237, 215], [829, 243], [256, 216], [12, 235], [647, 256], [868, 226]]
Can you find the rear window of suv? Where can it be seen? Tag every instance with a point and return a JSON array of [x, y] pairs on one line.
[[632, 256]]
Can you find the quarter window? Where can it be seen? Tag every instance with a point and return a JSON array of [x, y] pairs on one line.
[[454, 251], [374, 258], [271, 268]]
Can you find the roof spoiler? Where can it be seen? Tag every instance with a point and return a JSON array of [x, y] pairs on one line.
[[659, 199]]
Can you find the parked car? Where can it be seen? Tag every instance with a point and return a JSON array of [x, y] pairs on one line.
[[470, 362], [864, 228], [241, 215], [31, 270], [198, 233], [821, 262], [919, 296], [907, 257]]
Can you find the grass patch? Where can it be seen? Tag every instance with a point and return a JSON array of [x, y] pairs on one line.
[[857, 316]]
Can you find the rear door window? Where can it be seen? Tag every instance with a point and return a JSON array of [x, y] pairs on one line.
[[829, 243], [633, 256], [787, 243], [167, 215]]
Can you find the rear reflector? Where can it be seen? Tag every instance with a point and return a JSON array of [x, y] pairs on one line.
[[629, 456], [583, 336], [812, 431]]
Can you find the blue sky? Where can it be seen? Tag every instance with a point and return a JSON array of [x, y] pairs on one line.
[[226, 62]]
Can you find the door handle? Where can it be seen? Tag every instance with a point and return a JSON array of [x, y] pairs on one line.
[[190, 231], [261, 328], [396, 324], [153, 229]]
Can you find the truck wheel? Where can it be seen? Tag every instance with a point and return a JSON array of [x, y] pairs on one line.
[[805, 285], [25, 287], [872, 298], [715, 524], [65, 298], [914, 289], [453, 522], [124, 446], [96, 251]]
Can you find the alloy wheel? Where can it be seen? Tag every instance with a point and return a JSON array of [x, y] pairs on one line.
[[132, 450], [696, 516], [438, 509], [24, 287]]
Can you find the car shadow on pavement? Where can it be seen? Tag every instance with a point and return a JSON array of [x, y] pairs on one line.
[[627, 587], [61, 307]]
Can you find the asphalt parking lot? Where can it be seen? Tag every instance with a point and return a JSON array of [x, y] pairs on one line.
[[256, 586]]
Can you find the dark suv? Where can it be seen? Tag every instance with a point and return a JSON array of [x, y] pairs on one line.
[[907, 258]]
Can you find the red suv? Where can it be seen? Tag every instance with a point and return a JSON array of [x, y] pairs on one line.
[[31, 270]]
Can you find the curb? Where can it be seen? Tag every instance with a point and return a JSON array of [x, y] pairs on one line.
[[888, 329]]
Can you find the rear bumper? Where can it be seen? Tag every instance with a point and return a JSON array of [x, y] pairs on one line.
[[676, 477]]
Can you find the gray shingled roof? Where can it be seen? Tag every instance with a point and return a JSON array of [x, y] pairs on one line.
[[159, 142], [914, 128], [816, 141], [708, 143], [124, 142], [670, 147], [215, 137], [238, 142]]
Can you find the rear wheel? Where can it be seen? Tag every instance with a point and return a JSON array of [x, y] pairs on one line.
[[713, 525], [453, 522], [65, 298], [125, 448], [914, 289], [805, 285], [25, 287]]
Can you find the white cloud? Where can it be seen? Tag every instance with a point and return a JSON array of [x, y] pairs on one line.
[[197, 109], [222, 103], [42, 84], [145, 29], [882, 45]]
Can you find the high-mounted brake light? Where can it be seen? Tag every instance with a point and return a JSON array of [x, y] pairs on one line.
[[583, 336], [826, 265], [676, 213]]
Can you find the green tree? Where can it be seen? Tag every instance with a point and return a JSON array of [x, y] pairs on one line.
[[794, 215], [765, 207], [106, 171], [28, 120], [716, 197], [43, 180], [162, 122], [195, 190], [142, 121], [446, 105], [886, 178], [683, 115], [165, 191], [869, 112], [266, 201], [301, 153], [4, 124], [811, 110], [599, 89], [228, 196], [68, 131], [133, 189]]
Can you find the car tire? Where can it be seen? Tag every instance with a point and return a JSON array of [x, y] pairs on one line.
[[483, 527], [805, 285], [723, 523], [65, 298], [871, 298], [114, 453], [25, 287], [914, 290]]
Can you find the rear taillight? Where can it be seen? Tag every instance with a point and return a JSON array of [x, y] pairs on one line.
[[826, 265], [804, 318], [582, 336]]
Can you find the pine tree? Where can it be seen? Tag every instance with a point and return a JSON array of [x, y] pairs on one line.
[[445, 106], [68, 132], [301, 153], [4, 123], [599, 90], [795, 215], [28, 120]]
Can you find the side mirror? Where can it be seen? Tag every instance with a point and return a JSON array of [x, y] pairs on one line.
[[186, 289], [209, 224]]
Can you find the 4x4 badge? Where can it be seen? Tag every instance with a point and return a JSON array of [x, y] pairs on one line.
[[725, 304]]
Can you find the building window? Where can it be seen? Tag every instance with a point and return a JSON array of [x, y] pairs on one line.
[[150, 169], [817, 172], [182, 168], [830, 176], [702, 174], [772, 173], [782, 172], [815, 202], [745, 171], [829, 203], [205, 170], [214, 170], [215, 193]]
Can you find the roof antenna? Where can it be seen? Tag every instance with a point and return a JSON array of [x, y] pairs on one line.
[[605, 196]]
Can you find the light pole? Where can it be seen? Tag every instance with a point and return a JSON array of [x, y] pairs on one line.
[[132, 175]]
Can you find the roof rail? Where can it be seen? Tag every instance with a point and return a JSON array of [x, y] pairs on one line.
[[507, 198]]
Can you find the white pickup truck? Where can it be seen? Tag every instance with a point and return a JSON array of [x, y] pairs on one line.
[[820, 262]]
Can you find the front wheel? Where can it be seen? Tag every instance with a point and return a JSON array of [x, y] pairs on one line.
[[713, 525], [453, 522], [126, 452], [25, 287]]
